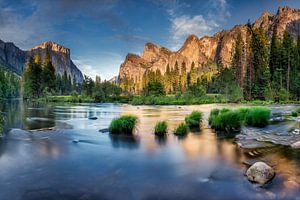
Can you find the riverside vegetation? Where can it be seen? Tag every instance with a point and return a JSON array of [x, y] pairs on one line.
[[273, 76], [161, 128], [228, 120]]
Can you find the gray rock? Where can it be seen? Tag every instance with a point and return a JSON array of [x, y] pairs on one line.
[[296, 145], [260, 173]]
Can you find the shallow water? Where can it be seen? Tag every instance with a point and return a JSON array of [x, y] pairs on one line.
[[64, 156]]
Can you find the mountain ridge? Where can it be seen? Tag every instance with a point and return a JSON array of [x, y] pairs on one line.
[[216, 48], [14, 58]]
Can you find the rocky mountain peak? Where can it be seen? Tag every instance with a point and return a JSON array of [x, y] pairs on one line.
[[53, 47], [218, 48]]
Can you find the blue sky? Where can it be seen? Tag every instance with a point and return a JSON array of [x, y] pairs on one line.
[[101, 32]]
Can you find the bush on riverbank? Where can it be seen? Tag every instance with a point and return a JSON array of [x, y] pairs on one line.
[[232, 120], [194, 119], [123, 125], [181, 129], [177, 100], [161, 128], [1, 123]]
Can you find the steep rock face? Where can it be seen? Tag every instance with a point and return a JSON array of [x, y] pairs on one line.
[[12, 57], [60, 57], [217, 48], [15, 59]]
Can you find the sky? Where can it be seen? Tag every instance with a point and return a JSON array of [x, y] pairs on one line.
[[100, 33]]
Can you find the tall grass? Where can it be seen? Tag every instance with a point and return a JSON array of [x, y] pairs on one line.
[[181, 129], [161, 128], [123, 125], [258, 116], [232, 120], [194, 119]]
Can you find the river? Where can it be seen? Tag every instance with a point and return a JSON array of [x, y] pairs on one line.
[[56, 152]]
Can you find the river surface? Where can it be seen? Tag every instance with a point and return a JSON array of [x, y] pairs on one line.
[[56, 152]]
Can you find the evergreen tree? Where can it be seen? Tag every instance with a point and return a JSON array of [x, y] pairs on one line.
[[237, 61], [260, 53], [183, 77], [48, 74]]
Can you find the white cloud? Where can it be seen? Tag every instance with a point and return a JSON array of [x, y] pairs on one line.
[[183, 25], [103, 65]]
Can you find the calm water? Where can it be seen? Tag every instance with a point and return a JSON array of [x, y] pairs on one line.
[[73, 160]]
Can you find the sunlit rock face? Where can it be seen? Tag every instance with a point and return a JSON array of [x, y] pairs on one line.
[[218, 48], [15, 59], [60, 57]]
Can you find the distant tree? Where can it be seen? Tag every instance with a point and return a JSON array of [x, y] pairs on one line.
[[48, 74], [155, 88]]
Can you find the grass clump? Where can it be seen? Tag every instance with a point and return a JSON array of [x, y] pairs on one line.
[[161, 128], [225, 120], [294, 114], [123, 125], [258, 116], [181, 130], [194, 119], [232, 120]]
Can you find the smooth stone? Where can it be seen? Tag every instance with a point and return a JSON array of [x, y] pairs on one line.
[[260, 173], [296, 145], [75, 141], [93, 118]]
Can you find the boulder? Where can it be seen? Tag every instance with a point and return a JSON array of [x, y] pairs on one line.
[[260, 173], [296, 145]]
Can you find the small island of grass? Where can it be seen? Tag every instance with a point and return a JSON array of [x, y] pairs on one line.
[[123, 125]]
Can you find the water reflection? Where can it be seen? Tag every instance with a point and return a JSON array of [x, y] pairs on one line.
[[124, 141], [76, 161]]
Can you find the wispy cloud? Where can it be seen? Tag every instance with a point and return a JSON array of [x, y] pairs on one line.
[[183, 24], [26, 29], [104, 65]]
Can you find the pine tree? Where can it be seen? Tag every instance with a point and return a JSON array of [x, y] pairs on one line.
[[260, 53], [48, 74], [237, 61], [183, 77], [193, 74], [287, 58]]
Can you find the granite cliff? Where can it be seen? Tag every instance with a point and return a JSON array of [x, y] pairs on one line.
[[14, 59], [217, 48]]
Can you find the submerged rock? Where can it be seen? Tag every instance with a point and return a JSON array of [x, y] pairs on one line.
[[260, 173], [296, 145]]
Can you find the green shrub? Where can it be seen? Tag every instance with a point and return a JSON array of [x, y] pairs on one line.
[[2, 120], [123, 125], [181, 130], [194, 119], [161, 128], [258, 116], [294, 113], [298, 110]]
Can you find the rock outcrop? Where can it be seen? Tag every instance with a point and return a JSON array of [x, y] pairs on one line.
[[14, 59], [217, 48], [60, 57]]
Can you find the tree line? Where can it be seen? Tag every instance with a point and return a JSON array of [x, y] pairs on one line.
[[260, 69], [40, 79], [9, 84]]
